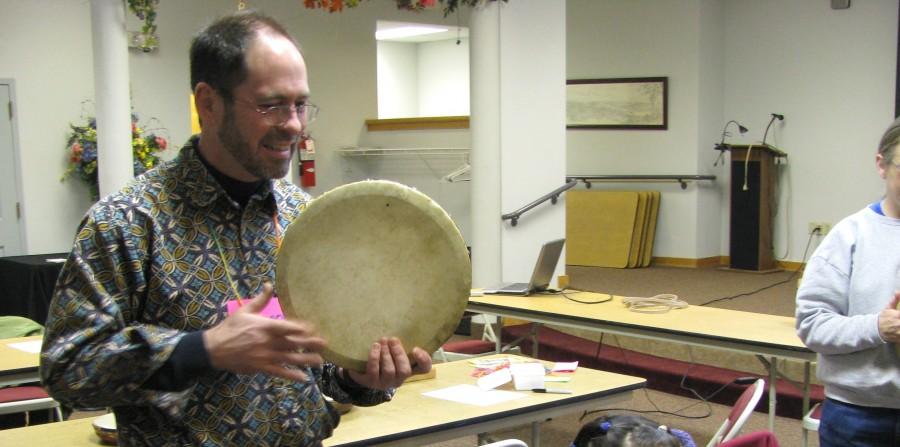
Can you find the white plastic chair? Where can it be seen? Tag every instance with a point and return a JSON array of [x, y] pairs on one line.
[[468, 348], [507, 443], [739, 414], [26, 398], [811, 419], [811, 422]]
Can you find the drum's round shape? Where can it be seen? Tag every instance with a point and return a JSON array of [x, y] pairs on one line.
[[373, 259]]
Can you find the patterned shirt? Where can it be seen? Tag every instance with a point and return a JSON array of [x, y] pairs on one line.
[[151, 264]]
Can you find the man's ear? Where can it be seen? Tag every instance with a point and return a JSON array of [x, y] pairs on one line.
[[207, 101], [881, 164]]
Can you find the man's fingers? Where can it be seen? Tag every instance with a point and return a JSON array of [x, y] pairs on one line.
[[422, 361], [374, 363], [290, 328], [387, 362], [400, 360], [259, 302], [295, 375], [895, 303], [298, 359], [287, 344]]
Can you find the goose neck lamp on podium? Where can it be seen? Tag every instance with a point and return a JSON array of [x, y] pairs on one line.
[[753, 181]]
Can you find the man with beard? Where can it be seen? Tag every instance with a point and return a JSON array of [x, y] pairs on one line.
[[139, 319]]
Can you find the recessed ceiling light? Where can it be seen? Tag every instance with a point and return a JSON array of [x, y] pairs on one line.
[[407, 31]]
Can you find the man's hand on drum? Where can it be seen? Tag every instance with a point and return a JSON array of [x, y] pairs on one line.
[[388, 365], [247, 342]]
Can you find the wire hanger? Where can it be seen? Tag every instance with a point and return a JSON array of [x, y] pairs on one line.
[[454, 176]]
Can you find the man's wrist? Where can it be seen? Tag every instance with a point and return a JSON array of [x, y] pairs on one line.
[[347, 382]]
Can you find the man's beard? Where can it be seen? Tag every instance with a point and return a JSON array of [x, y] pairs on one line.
[[244, 154]]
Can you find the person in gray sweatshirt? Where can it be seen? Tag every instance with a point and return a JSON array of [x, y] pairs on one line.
[[847, 313]]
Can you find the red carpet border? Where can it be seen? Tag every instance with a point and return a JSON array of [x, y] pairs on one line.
[[662, 374]]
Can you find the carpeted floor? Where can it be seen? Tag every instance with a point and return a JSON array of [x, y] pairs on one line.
[[695, 285]]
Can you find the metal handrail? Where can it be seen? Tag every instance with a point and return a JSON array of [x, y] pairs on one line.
[[572, 180], [552, 196], [682, 179]]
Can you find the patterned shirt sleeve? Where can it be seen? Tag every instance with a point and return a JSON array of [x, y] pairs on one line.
[[334, 386], [94, 353]]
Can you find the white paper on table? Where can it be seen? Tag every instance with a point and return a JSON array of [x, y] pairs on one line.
[[56, 260], [527, 376], [494, 379], [565, 366], [32, 347], [473, 395]]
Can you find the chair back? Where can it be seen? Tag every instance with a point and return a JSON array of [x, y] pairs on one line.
[[506, 443], [755, 439], [739, 414], [811, 419]]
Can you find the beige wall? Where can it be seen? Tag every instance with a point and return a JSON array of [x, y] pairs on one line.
[[830, 72], [45, 46]]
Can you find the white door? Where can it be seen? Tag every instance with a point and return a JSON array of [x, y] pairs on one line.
[[10, 232]]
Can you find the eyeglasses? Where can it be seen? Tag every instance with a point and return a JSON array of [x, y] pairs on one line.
[[277, 115]]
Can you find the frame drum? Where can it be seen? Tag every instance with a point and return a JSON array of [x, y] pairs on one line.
[[373, 259]]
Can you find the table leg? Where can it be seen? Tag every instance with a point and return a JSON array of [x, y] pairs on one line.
[[806, 367], [535, 434], [534, 339], [773, 396], [499, 331]]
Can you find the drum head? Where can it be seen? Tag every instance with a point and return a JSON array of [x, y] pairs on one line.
[[372, 259]]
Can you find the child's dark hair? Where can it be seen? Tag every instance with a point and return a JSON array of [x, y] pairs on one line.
[[624, 431]]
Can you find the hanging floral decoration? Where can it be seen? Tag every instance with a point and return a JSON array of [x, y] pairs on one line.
[[145, 10], [448, 6], [81, 151]]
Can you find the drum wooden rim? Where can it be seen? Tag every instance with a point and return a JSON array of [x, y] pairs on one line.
[[371, 259]]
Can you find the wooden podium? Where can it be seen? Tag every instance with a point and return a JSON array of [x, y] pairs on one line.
[[753, 177]]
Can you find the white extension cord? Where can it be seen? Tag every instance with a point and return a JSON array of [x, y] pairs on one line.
[[657, 304]]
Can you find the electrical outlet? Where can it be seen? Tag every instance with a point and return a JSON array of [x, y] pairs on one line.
[[822, 227]]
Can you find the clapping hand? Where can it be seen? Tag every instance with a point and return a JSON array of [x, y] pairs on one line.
[[247, 342]]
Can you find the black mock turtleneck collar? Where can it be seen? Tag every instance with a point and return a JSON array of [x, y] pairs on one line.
[[239, 191]]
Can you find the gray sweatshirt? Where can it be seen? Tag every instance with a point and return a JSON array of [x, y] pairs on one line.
[[849, 279]]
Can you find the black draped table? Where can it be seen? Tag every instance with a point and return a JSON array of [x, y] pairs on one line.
[[26, 284]]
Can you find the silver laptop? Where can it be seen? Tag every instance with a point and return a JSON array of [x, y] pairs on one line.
[[540, 278]]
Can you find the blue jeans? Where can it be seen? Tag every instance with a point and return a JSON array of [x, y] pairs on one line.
[[847, 425]]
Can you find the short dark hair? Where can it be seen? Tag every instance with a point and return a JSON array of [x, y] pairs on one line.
[[623, 429], [217, 51]]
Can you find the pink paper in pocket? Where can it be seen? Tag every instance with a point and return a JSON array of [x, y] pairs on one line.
[[272, 309]]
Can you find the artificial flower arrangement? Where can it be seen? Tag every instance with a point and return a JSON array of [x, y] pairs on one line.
[[145, 10], [449, 6], [81, 150]]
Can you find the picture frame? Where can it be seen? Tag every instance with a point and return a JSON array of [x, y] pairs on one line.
[[617, 103]]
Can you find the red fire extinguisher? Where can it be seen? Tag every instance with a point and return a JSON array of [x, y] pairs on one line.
[[307, 162]]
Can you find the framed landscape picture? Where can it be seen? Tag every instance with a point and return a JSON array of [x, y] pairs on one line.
[[619, 103]]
